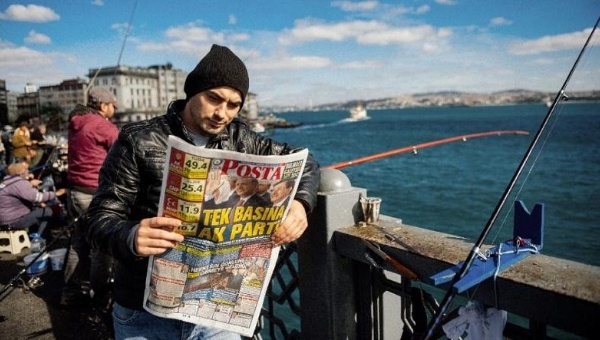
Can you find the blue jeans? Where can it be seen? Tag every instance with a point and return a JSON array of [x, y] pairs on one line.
[[140, 325]]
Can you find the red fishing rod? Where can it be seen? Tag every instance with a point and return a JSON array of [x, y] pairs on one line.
[[415, 148], [436, 321]]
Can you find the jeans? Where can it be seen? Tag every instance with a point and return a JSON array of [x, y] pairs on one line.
[[141, 325], [80, 266]]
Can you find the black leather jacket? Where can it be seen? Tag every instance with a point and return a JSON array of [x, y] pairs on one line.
[[130, 183]]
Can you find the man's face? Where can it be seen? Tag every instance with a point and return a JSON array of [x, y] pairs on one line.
[[209, 112], [280, 192], [263, 187], [245, 186], [108, 110]]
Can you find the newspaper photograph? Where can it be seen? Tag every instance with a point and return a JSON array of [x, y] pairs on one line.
[[229, 204]]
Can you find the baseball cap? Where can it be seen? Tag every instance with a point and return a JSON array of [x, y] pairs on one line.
[[99, 95]]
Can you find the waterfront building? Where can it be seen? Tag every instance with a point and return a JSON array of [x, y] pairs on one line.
[[64, 96], [28, 103], [142, 92]]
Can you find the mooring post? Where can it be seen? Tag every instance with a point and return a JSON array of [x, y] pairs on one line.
[[326, 280]]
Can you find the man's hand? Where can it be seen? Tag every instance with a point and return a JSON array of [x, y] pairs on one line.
[[292, 226], [61, 192], [155, 235], [35, 182]]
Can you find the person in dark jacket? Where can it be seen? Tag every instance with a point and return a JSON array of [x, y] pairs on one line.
[[123, 218]]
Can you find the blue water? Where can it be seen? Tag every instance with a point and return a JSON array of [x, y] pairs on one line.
[[455, 187]]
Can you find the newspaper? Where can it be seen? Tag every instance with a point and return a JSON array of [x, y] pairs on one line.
[[218, 276]]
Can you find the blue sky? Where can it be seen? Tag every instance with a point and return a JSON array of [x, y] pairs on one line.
[[312, 51]]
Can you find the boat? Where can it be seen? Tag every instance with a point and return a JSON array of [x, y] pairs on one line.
[[257, 127], [359, 112]]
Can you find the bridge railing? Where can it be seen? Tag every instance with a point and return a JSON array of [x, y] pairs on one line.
[[344, 294]]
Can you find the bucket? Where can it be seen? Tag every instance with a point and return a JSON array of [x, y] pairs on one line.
[[39, 266], [57, 258]]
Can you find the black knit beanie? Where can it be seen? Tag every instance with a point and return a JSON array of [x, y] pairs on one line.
[[220, 67]]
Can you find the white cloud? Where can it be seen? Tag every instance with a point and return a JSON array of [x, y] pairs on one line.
[[290, 63], [549, 43], [361, 65], [37, 38], [363, 32], [13, 56], [350, 6], [41, 68], [98, 2], [192, 40], [422, 9], [500, 21], [232, 19], [29, 13], [191, 33], [446, 2]]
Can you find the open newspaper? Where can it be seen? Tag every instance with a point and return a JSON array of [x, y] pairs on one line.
[[218, 276]]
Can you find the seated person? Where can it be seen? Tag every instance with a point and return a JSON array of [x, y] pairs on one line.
[[21, 204]]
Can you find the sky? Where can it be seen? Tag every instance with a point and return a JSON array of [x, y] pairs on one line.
[[312, 52]]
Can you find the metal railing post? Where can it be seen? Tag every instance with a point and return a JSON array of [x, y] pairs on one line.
[[326, 280]]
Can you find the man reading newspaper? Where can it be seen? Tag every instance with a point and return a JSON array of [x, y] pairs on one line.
[[123, 217]]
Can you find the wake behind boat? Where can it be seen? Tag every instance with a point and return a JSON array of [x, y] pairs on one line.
[[359, 112]]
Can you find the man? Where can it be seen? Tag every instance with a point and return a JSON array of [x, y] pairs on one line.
[[246, 189], [22, 205], [280, 194], [38, 140], [91, 134], [122, 215], [263, 189]]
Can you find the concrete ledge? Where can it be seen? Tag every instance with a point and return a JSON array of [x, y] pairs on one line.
[[549, 290]]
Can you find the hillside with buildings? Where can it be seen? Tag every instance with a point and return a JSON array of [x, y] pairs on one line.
[[452, 98], [145, 92]]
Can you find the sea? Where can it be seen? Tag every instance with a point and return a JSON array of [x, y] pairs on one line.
[[455, 187]]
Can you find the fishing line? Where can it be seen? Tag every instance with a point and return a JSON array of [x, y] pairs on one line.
[[120, 52], [585, 62], [528, 173], [475, 250]]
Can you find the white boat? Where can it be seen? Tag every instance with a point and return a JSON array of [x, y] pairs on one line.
[[358, 112], [257, 127]]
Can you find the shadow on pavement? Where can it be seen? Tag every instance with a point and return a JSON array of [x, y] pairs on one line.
[[36, 313]]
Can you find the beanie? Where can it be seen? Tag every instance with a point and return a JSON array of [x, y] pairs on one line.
[[220, 67]]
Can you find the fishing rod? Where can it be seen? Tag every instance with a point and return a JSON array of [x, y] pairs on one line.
[[445, 304], [13, 282], [414, 148]]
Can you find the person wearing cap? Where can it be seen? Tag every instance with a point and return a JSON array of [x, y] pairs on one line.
[[90, 135], [123, 214], [22, 205]]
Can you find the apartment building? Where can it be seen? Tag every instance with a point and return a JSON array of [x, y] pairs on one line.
[[142, 92], [65, 95]]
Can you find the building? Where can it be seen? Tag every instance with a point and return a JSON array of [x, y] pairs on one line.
[[142, 92], [11, 99], [28, 103], [170, 84], [3, 103], [64, 96]]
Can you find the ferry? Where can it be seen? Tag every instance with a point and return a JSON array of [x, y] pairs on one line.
[[359, 112]]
